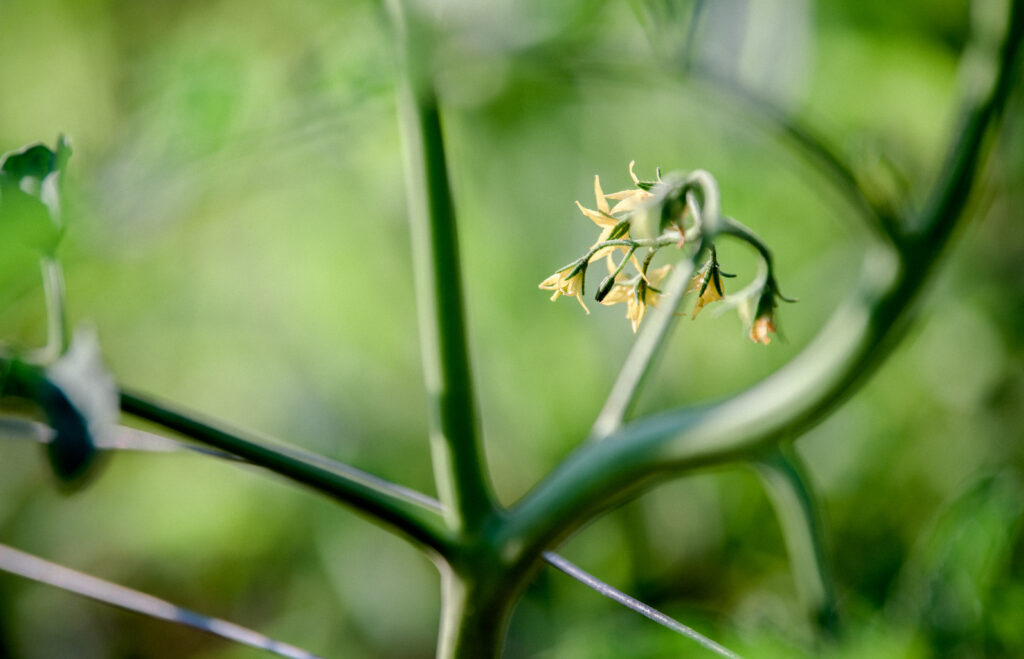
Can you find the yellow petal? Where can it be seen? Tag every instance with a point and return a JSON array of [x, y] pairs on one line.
[[551, 283], [596, 217], [602, 205], [629, 204], [655, 276], [709, 295], [635, 312], [616, 295], [762, 327]]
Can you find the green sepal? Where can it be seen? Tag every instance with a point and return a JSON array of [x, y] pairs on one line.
[[605, 288]]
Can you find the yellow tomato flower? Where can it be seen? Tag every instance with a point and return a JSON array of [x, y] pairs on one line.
[[708, 283], [639, 296], [569, 282]]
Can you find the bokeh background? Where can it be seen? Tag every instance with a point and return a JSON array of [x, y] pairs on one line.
[[237, 236]]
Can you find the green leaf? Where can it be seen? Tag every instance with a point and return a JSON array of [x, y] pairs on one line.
[[30, 204], [956, 576]]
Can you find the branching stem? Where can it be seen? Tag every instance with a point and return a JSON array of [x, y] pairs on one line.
[[392, 506]]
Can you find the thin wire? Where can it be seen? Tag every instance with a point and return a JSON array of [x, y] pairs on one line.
[[134, 439], [43, 571], [625, 600]]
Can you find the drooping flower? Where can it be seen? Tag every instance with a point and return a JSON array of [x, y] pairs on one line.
[[708, 285], [763, 325], [567, 281], [759, 311], [638, 296]]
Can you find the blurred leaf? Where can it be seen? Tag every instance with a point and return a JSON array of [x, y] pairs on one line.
[[957, 574], [30, 204], [29, 197]]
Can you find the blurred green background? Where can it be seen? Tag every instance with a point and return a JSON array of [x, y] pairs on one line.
[[237, 236]]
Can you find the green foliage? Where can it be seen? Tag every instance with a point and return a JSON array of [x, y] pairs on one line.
[[30, 197], [239, 238]]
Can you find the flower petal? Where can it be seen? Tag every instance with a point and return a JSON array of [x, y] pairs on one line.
[[600, 219], [630, 203], [602, 205], [655, 276]]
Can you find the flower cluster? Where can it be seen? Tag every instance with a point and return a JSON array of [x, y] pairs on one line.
[[638, 288], [647, 218]]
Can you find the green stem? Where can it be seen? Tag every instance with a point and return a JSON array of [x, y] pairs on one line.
[[652, 339], [397, 509], [878, 213], [475, 611], [643, 353], [459, 470], [997, 48], [784, 476], [855, 340], [58, 337]]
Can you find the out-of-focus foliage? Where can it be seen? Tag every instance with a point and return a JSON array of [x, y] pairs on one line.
[[235, 232]]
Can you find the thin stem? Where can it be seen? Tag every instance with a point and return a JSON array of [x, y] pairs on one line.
[[459, 470], [647, 346], [643, 353], [785, 479], [390, 505], [58, 337], [736, 229]]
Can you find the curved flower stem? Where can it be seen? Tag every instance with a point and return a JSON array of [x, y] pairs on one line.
[[784, 476], [400, 510], [459, 469], [859, 334], [736, 229]]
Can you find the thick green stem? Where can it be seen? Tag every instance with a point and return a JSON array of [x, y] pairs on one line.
[[789, 489], [474, 613], [401, 511], [461, 477]]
